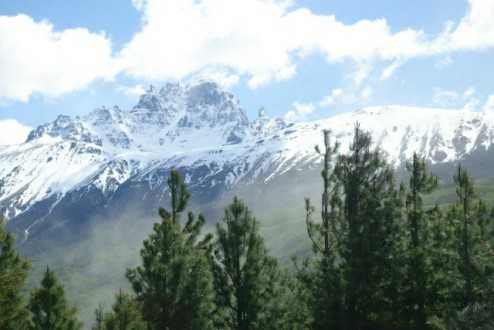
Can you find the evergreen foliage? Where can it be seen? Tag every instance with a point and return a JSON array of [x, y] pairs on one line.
[[473, 317], [322, 276], [174, 284], [49, 308], [246, 277], [125, 315], [13, 273], [474, 247], [371, 232], [381, 259], [421, 182]]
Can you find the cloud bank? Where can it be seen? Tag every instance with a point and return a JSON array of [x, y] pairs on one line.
[[34, 58], [13, 132], [260, 40]]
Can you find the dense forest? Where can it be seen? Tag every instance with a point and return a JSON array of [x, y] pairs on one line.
[[381, 259]]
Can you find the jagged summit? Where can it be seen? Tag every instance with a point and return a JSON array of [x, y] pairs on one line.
[[204, 100], [161, 116]]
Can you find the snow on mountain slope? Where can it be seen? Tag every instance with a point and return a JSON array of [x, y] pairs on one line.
[[441, 135], [203, 127]]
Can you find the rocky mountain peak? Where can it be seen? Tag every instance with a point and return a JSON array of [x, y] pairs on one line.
[[171, 111], [63, 126]]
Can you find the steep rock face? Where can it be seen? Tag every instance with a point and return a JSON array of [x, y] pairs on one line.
[[112, 157]]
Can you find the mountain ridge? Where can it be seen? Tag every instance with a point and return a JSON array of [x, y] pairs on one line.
[[112, 154]]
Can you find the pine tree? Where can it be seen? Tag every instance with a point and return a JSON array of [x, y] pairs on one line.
[[49, 308], [474, 248], [303, 307], [245, 275], [443, 279], [370, 251], [125, 315], [420, 183], [174, 283], [355, 280], [13, 274], [466, 194], [321, 276], [472, 317]]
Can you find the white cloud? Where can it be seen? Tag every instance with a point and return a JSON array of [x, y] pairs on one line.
[[136, 90], [349, 96], [13, 132], [180, 38], [445, 98], [390, 69], [256, 38], [138, 4], [336, 95], [489, 104], [222, 77], [443, 62], [361, 74], [469, 93], [467, 99], [475, 31], [36, 59], [366, 94], [260, 40], [300, 112]]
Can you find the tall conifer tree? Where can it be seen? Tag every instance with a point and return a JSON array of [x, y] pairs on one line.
[[245, 275], [466, 194], [174, 283], [372, 218], [323, 278], [421, 182]]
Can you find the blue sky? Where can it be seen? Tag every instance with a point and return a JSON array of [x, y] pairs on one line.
[[301, 60]]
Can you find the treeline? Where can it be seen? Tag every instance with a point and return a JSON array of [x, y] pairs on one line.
[[381, 259]]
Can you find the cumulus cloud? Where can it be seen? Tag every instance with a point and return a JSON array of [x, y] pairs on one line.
[[256, 38], [474, 32], [34, 58], [300, 112], [261, 40], [13, 132], [179, 38]]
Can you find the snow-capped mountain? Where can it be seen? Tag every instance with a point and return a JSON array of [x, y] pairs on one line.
[[71, 166]]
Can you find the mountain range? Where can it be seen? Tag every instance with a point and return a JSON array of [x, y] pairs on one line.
[[74, 168]]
